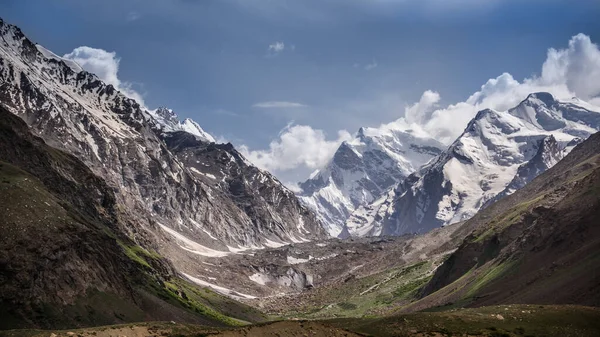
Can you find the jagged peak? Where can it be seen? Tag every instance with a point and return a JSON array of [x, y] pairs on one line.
[[167, 114], [536, 97]]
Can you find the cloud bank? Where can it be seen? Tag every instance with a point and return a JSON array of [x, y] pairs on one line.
[[566, 73], [569, 72], [105, 65], [297, 145]]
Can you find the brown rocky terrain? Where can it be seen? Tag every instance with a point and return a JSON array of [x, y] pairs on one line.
[[63, 259]]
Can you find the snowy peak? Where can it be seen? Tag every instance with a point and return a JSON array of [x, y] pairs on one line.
[[541, 110], [194, 128], [40, 62], [166, 116], [167, 121], [544, 111], [364, 169], [498, 153]]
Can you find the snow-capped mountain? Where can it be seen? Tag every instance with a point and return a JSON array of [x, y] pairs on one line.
[[498, 153], [168, 122], [363, 169], [183, 193]]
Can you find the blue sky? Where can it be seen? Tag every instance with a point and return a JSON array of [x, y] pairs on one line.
[[246, 69]]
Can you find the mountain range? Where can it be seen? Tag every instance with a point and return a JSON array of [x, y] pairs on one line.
[[363, 169], [168, 174], [115, 213], [498, 153]]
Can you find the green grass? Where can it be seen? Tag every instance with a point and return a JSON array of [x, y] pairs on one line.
[[27, 203], [508, 218], [139, 254], [494, 273], [504, 320], [366, 296]]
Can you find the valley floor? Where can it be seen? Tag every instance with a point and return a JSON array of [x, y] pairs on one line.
[[495, 321]]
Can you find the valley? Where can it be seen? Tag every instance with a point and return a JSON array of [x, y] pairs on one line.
[[120, 220]]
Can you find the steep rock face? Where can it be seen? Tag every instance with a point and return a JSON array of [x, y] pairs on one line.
[[364, 169], [275, 212], [64, 261], [497, 153], [126, 145]]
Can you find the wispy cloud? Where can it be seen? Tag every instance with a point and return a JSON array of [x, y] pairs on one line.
[[278, 105], [277, 47], [133, 16], [371, 65]]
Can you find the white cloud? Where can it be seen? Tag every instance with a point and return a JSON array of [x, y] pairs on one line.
[[420, 112], [105, 65], [371, 65], [297, 145], [569, 72], [278, 105], [293, 187], [276, 47]]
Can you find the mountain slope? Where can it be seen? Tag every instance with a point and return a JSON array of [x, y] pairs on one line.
[[364, 169], [499, 152], [64, 261], [125, 144], [538, 245]]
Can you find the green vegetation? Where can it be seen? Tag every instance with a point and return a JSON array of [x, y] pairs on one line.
[[508, 218], [495, 321], [367, 296], [27, 203], [494, 273], [139, 254], [504, 320], [206, 302]]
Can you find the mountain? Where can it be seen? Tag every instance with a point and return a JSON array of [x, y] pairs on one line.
[[363, 169], [64, 260], [538, 246], [186, 196], [499, 152], [168, 122]]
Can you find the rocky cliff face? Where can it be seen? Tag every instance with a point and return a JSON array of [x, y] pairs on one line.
[[183, 191], [498, 153], [65, 261], [364, 169]]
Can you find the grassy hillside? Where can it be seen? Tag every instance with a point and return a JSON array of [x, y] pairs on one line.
[[539, 245]]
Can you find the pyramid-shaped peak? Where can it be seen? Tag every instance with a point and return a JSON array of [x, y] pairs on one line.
[[545, 98]]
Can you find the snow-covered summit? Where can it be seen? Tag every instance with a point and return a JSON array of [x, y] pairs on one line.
[[167, 121], [365, 168], [498, 152]]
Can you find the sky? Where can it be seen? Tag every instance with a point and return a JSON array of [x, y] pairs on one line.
[[287, 80]]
